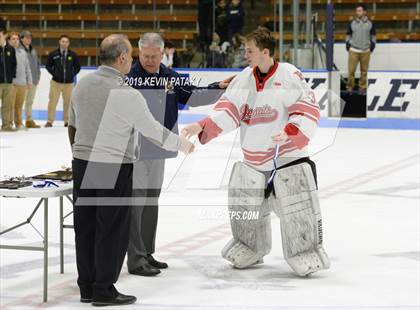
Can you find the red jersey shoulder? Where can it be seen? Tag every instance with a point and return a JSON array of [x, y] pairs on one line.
[[299, 75]]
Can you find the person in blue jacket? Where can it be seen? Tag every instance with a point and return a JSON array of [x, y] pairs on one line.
[[163, 88]]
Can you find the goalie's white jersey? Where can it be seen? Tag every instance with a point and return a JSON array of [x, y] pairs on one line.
[[281, 101]]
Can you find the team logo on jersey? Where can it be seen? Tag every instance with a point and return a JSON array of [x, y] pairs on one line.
[[300, 75], [253, 116]]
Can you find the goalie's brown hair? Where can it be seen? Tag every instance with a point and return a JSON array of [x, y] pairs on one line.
[[263, 39]]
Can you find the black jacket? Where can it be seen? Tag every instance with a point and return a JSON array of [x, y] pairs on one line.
[[63, 73], [7, 64], [163, 99], [235, 17], [221, 23]]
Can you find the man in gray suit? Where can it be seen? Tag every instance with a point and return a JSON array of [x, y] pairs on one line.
[[105, 118]]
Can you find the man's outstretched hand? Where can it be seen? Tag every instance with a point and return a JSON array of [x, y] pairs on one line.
[[191, 130], [187, 147], [225, 83]]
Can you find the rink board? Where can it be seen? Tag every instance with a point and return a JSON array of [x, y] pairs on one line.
[[391, 94]]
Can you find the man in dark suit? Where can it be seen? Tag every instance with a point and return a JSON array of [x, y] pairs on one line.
[[153, 80]]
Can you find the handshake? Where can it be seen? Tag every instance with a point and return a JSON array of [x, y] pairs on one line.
[[194, 129], [187, 147]]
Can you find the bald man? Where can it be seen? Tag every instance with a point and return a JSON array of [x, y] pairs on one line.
[[105, 119]]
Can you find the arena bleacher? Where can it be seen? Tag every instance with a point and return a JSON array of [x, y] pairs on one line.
[[88, 21]]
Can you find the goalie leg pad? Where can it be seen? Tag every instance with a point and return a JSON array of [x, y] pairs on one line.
[[251, 225], [296, 203], [240, 255]]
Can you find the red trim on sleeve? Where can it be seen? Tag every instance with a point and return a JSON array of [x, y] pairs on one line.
[[310, 112], [297, 137], [210, 130], [228, 107]]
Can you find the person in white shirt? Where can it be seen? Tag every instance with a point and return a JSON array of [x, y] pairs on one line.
[[168, 54]]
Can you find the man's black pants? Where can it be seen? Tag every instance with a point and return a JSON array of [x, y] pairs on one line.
[[101, 224]]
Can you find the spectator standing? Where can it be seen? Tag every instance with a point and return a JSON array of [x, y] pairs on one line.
[[235, 18], [205, 21], [360, 43], [7, 73], [221, 20], [22, 80], [63, 64], [35, 65]]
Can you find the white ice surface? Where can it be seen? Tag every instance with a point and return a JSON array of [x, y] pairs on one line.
[[369, 190]]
